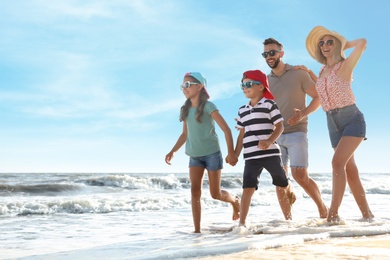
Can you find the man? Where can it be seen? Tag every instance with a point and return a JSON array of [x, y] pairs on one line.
[[290, 87]]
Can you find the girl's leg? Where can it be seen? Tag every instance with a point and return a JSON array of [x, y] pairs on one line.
[[196, 178], [218, 194], [357, 189], [343, 153]]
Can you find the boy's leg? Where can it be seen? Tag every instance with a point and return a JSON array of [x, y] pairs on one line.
[[250, 183], [245, 204], [285, 196]]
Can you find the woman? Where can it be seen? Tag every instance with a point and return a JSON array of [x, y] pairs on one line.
[[346, 123]]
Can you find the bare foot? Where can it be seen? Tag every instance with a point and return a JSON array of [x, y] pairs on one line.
[[333, 218], [236, 208], [324, 211], [368, 215], [292, 198]]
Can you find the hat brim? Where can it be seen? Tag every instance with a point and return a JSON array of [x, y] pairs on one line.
[[315, 36]]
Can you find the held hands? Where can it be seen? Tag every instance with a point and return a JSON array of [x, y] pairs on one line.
[[231, 159], [298, 116]]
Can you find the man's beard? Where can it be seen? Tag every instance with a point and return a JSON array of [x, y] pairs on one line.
[[276, 63]]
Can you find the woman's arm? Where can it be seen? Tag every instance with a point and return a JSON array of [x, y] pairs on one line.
[[311, 73], [347, 67]]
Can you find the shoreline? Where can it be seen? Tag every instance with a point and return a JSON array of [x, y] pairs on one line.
[[366, 247]]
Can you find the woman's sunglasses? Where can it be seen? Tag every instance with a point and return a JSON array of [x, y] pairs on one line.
[[187, 84], [249, 84], [328, 43], [271, 53]]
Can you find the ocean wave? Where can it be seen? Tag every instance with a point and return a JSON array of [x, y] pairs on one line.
[[101, 205], [37, 188], [134, 182], [166, 182], [378, 190]]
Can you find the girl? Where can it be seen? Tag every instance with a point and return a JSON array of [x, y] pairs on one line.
[[202, 145], [346, 124]]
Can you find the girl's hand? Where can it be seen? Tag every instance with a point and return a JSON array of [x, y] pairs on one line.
[[231, 159], [169, 157]]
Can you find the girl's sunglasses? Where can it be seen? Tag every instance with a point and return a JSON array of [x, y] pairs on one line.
[[271, 53], [249, 84], [328, 43], [187, 84]]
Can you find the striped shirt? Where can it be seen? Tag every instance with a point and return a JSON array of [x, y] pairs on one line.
[[259, 123]]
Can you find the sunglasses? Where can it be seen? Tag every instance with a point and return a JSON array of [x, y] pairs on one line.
[[187, 84], [271, 53], [328, 43], [249, 84]]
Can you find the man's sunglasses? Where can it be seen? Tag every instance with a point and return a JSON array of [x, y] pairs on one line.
[[249, 84], [187, 84], [328, 43], [271, 53]]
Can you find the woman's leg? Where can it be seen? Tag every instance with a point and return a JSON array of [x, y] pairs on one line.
[[357, 189], [218, 194], [196, 178], [343, 153]]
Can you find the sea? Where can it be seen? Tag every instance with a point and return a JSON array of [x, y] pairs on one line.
[[148, 216]]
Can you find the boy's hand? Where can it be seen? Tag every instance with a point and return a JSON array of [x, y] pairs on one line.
[[231, 159], [264, 144]]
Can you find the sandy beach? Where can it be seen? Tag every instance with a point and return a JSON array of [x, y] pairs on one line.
[[367, 247]]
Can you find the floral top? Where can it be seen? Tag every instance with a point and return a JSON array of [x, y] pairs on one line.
[[333, 91]]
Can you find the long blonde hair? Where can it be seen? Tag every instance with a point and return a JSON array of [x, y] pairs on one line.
[[203, 97]]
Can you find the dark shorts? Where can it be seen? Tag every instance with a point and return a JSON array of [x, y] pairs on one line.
[[346, 121], [254, 167]]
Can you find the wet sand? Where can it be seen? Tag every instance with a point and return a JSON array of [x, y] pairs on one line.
[[370, 247]]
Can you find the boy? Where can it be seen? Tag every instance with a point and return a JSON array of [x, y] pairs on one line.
[[260, 124]]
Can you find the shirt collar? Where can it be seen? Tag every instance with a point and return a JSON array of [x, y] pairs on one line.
[[286, 68], [261, 101]]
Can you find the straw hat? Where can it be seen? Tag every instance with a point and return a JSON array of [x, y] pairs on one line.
[[313, 39]]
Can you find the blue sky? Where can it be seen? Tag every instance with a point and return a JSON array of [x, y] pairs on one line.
[[93, 86]]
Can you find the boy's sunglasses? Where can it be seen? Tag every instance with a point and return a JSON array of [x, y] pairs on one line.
[[328, 43], [271, 53], [249, 84], [187, 84]]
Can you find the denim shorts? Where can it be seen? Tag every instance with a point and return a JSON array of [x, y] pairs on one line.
[[295, 149], [211, 162], [346, 121], [254, 167]]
